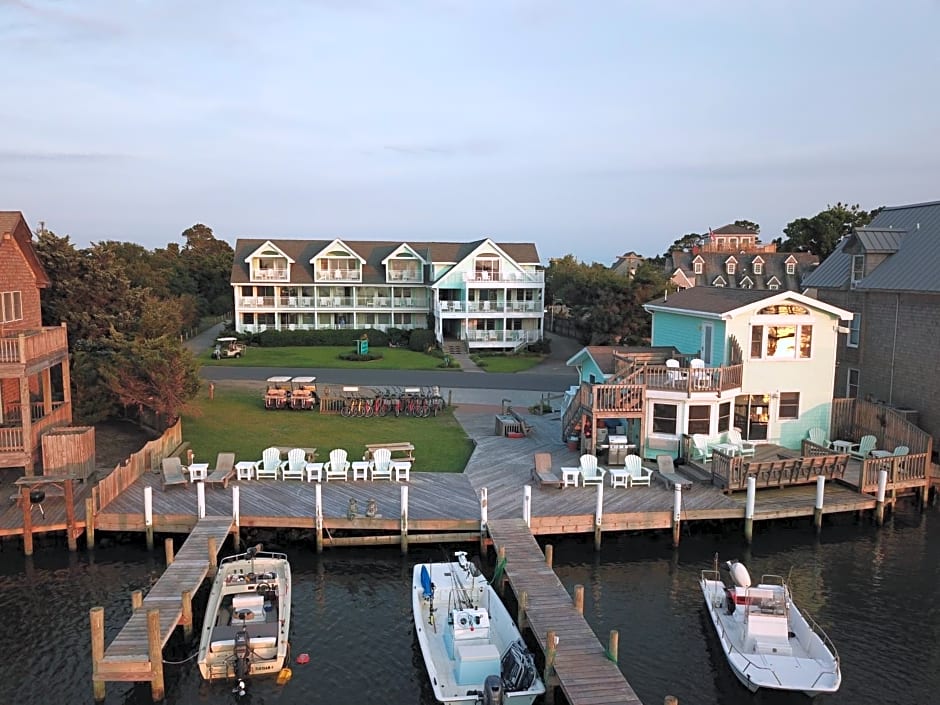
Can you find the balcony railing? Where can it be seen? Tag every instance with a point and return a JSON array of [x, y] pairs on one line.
[[688, 379], [338, 275], [504, 277], [11, 437], [406, 276], [24, 346], [269, 275], [500, 336]]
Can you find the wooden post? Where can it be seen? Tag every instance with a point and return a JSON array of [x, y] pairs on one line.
[[549, 554], [404, 520], [501, 558], [155, 649], [213, 556], [676, 515], [96, 616], [820, 495], [187, 617], [749, 509], [671, 700], [168, 550], [880, 497], [598, 514], [137, 599], [148, 515], [89, 523], [27, 519], [484, 519], [70, 515], [201, 499], [527, 505], [319, 517], [579, 599], [237, 516], [521, 612], [613, 645], [548, 676]]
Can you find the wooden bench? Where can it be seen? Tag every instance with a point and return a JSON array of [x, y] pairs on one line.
[[542, 471], [400, 451]]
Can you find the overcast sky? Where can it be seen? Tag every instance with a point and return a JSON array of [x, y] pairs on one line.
[[589, 128]]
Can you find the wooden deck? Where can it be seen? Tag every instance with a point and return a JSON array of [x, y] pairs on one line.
[[584, 672], [127, 658]]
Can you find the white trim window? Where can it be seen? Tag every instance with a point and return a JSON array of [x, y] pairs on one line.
[[786, 341], [858, 269], [11, 306], [758, 266], [698, 266], [851, 383], [855, 331]]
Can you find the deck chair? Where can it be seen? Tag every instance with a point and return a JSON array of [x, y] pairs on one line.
[[338, 466], [224, 470], [381, 468], [634, 467], [700, 449], [270, 463], [173, 472], [667, 471], [818, 436], [295, 466], [673, 375], [542, 471], [863, 448], [590, 473], [745, 448], [700, 377], [901, 450]]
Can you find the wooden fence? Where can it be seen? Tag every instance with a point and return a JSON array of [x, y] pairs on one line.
[[854, 418], [146, 459]]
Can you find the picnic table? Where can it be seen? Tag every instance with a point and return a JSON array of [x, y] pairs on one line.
[[399, 451]]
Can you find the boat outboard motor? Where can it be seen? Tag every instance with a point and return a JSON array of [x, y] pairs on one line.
[[493, 691], [242, 653]]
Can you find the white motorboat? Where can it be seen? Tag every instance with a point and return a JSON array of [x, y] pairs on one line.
[[768, 642], [471, 646], [247, 617]]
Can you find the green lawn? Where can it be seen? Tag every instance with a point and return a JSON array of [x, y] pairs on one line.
[[327, 356], [509, 363], [236, 420]]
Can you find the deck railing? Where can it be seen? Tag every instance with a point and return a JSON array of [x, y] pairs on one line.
[[12, 439], [903, 471], [23, 346], [731, 473], [146, 459]]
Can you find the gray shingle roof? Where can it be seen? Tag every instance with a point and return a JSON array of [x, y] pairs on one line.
[[714, 265], [711, 299], [915, 265], [372, 251]]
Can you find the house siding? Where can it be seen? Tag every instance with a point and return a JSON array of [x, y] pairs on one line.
[[680, 331], [16, 275]]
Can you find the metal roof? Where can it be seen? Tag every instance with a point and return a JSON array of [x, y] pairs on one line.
[[880, 240]]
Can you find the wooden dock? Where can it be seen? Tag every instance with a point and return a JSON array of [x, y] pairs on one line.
[[128, 657], [583, 670]]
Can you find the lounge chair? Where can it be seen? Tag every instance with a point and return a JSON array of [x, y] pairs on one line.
[[173, 472], [742, 447], [295, 466], [667, 471], [267, 468], [862, 449], [542, 471], [590, 473], [381, 468], [818, 436], [224, 470], [338, 466], [634, 467]]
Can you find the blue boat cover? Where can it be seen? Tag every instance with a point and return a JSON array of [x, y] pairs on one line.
[[426, 582]]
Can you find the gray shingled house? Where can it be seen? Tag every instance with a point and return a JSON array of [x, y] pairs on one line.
[[888, 275]]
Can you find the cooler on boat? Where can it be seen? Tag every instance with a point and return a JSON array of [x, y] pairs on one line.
[[475, 662]]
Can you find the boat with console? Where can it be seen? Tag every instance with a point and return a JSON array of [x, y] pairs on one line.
[[471, 646], [247, 618], [768, 642]]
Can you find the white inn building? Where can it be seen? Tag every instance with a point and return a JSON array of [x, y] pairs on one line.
[[489, 295]]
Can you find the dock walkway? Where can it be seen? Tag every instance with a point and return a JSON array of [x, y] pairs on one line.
[[585, 674], [127, 658]]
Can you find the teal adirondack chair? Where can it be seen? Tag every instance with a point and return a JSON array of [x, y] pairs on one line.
[[863, 448], [818, 436]]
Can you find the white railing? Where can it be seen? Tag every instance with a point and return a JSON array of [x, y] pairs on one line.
[[269, 275], [504, 277], [339, 275], [500, 336], [404, 276]]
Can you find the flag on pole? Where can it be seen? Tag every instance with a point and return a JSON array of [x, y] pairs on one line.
[[711, 235]]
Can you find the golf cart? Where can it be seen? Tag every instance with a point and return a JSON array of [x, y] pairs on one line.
[[277, 395], [227, 347], [303, 393]]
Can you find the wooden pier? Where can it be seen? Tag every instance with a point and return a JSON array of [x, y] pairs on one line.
[[136, 654], [581, 668]]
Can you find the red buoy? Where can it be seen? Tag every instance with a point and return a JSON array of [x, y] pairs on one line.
[[303, 658]]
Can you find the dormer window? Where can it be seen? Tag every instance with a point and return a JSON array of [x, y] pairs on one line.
[[698, 266], [858, 269], [719, 282], [791, 266], [731, 265], [747, 283], [758, 266]]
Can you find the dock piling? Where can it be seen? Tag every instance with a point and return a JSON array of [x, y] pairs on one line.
[[613, 645], [749, 509], [155, 649], [168, 550], [880, 497], [318, 517], [404, 520], [186, 598], [148, 515], [527, 505], [213, 556], [237, 516], [549, 554], [137, 599], [484, 518], [598, 516], [89, 523], [201, 500], [676, 515], [579, 599], [521, 611], [96, 616], [548, 676], [820, 496]]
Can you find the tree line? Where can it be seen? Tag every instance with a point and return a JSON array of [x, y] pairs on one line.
[[125, 308]]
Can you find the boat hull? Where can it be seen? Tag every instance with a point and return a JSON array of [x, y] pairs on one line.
[[792, 658], [247, 622], [466, 634]]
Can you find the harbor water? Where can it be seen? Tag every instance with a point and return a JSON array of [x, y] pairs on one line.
[[875, 591]]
